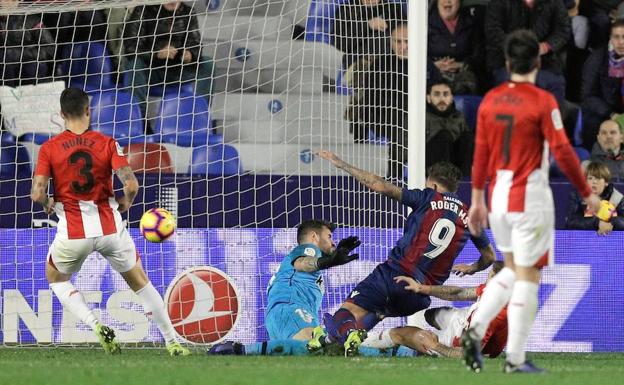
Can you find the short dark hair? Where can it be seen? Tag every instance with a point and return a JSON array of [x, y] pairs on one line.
[[618, 23], [497, 266], [74, 102], [522, 51], [446, 174], [315, 225], [440, 81]]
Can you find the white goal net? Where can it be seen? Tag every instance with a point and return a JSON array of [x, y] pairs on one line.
[[220, 106]]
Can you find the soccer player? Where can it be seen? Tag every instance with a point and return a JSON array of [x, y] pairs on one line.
[[434, 234], [80, 163], [450, 321], [295, 291], [516, 125]]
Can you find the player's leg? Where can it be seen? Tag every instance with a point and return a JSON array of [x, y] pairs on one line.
[[496, 294], [533, 245], [120, 251], [287, 347], [65, 258]]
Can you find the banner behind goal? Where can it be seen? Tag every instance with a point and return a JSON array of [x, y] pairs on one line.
[[225, 139]]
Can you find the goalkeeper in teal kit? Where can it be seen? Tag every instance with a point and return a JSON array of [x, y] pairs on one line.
[[296, 290]]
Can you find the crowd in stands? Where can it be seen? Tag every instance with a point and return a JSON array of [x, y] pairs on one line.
[[581, 48]]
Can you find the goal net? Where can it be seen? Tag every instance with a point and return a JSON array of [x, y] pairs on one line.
[[220, 111]]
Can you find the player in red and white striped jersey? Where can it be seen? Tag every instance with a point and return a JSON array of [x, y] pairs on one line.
[[517, 125], [80, 163]]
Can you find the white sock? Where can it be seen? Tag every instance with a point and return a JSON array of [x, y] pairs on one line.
[[520, 316], [73, 300], [379, 340], [154, 308], [494, 298]]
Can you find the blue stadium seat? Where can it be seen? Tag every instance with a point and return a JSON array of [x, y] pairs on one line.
[[6, 137], [468, 105], [555, 171], [216, 159], [173, 88], [36, 138], [90, 66], [116, 113], [184, 120], [14, 162]]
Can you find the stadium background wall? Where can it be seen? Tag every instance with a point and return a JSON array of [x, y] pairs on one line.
[[580, 297]]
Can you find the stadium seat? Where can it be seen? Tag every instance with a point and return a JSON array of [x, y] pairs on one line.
[[216, 159], [90, 66], [14, 161], [468, 105], [115, 113], [555, 171], [6, 137], [36, 138], [149, 158], [184, 120], [175, 88]]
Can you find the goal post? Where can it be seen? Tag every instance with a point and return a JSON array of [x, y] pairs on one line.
[[226, 141]]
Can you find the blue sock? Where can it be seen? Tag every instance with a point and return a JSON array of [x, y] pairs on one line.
[[339, 324], [399, 351], [277, 348]]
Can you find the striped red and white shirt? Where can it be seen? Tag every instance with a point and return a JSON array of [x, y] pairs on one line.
[[517, 125], [81, 168]]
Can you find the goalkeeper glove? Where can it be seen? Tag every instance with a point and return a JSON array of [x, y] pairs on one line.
[[340, 256]]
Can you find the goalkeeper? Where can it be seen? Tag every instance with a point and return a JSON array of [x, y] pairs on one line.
[[296, 290]]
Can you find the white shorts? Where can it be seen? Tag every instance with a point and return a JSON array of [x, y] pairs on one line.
[[67, 255], [529, 236]]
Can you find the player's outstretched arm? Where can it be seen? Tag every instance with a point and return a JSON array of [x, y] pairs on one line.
[[130, 188], [338, 257], [448, 293], [370, 180], [38, 193], [486, 259]]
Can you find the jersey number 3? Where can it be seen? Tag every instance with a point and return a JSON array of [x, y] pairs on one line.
[[440, 236], [85, 171]]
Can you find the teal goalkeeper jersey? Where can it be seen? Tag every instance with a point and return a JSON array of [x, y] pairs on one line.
[[297, 287]]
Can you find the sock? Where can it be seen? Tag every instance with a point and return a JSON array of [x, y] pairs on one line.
[[520, 317], [73, 300], [154, 308], [277, 348], [339, 324], [379, 340], [368, 322], [494, 298]]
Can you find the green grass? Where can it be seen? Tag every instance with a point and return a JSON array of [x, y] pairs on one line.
[[153, 367]]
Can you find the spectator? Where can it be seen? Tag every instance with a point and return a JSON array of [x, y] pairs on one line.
[[455, 46], [162, 46], [601, 14], [601, 93], [362, 27], [447, 134], [548, 19], [609, 149], [382, 107], [577, 50], [579, 218], [26, 48]]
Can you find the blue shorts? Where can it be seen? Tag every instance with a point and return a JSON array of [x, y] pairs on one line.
[[284, 320], [379, 294]]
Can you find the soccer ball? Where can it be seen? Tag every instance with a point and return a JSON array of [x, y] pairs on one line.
[[157, 225]]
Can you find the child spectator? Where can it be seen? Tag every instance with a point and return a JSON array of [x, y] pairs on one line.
[[598, 177]]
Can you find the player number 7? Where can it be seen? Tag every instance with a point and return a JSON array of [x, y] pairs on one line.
[[508, 120]]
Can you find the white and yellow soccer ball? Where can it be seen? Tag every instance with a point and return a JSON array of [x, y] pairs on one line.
[[157, 225]]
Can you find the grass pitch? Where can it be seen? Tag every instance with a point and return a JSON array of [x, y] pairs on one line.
[[52, 366]]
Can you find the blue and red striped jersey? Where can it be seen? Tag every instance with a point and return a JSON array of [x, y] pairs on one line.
[[435, 233]]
